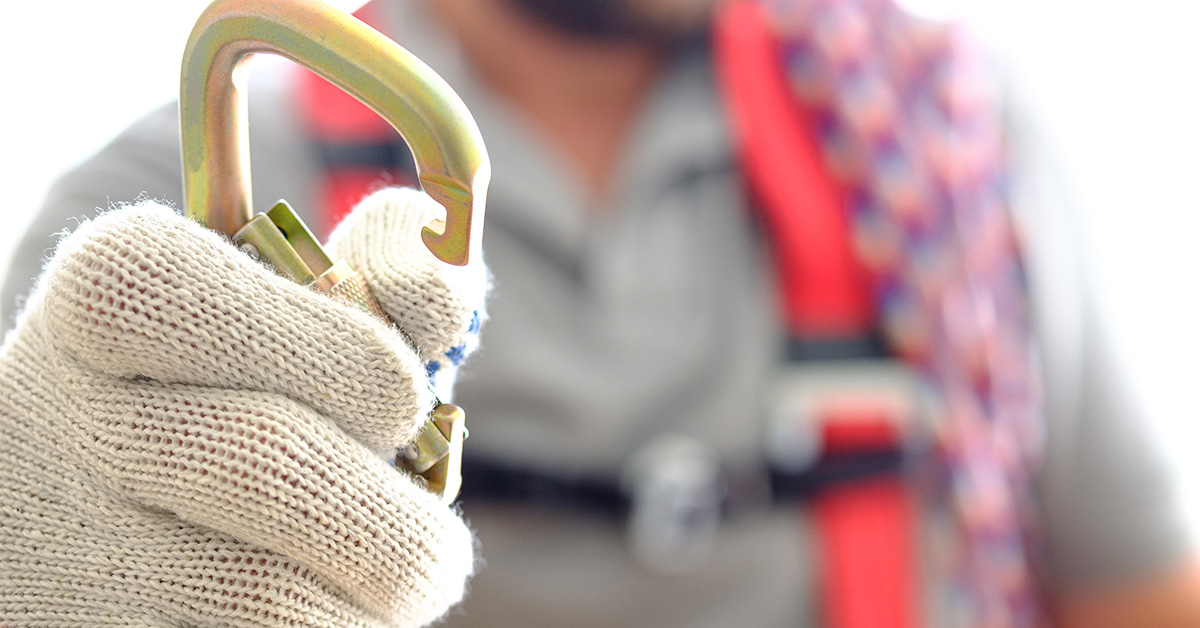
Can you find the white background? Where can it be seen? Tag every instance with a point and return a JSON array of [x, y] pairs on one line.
[[1115, 84]]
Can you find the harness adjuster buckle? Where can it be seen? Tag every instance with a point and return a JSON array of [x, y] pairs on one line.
[[676, 493], [845, 408]]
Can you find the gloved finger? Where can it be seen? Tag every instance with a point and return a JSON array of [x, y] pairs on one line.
[[143, 292], [115, 567], [272, 473], [439, 306]]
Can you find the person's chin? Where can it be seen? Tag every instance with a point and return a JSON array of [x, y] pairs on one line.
[[655, 20]]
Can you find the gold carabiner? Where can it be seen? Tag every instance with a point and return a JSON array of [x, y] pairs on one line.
[[452, 164]]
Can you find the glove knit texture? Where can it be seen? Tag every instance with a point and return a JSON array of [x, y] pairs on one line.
[[188, 439]]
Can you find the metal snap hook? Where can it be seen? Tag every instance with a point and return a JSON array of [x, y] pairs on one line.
[[452, 164]]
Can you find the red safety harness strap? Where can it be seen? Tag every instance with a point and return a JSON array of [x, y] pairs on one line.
[[867, 567], [865, 530], [825, 289]]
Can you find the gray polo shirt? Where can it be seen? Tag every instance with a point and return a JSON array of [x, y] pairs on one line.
[[653, 311]]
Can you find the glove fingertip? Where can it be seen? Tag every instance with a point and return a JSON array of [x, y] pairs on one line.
[[440, 307], [381, 216], [451, 559], [85, 287]]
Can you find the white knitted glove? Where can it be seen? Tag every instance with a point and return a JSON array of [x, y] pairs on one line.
[[188, 439]]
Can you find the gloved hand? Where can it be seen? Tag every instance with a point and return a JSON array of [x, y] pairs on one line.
[[188, 439]]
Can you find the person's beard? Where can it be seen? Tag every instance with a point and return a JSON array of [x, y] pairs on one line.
[[615, 19]]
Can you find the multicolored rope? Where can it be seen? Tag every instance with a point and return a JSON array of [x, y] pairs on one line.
[[909, 119]]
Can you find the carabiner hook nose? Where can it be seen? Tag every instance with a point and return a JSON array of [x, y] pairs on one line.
[[453, 239], [452, 163]]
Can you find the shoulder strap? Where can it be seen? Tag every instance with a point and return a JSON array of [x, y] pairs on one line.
[[908, 122], [867, 558], [825, 288]]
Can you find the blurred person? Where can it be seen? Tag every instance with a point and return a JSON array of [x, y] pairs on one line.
[[717, 232]]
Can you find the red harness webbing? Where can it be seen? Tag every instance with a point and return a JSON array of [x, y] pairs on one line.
[[865, 530], [825, 288]]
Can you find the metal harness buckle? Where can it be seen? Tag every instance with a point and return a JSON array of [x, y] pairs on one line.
[[843, 408], [676, 492]]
